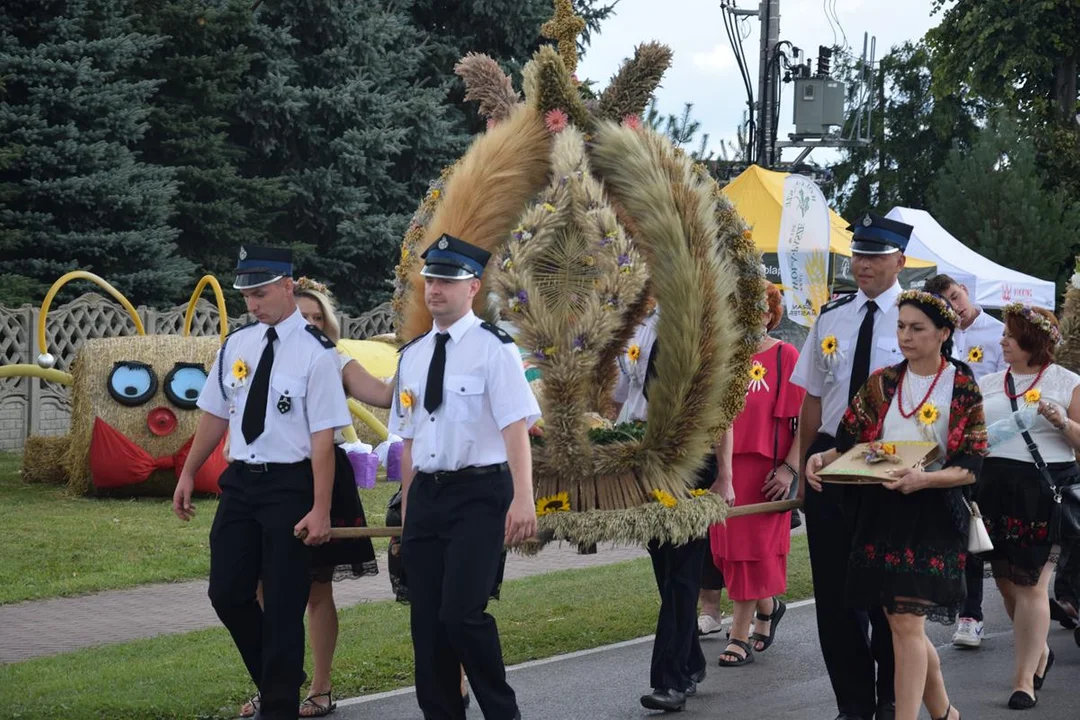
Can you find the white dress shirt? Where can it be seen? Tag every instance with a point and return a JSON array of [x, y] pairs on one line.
[[305, 379], [828, 376], [629, 389], [484, 391], [980, 345]]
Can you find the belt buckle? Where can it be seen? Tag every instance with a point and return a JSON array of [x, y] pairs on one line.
[[258, 468]]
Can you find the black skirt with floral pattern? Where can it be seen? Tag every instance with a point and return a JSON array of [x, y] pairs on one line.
[[908, 555], [1016, 504]]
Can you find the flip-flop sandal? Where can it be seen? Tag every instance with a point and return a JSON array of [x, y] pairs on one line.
[[314, 709], [779, 608], [740, 661], [251, 707]]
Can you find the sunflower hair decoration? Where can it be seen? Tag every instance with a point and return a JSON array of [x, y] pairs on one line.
[[1037, 319], [940, 304], [306, 283]]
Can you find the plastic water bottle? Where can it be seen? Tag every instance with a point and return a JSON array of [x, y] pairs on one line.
[[1008, 428]]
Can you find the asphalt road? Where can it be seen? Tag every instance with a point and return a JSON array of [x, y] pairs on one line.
[[787, 681]]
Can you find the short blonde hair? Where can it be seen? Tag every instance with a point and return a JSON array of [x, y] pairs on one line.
[[305, 287]]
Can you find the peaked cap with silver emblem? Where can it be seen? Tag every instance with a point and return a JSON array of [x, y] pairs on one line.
[[451, 258]]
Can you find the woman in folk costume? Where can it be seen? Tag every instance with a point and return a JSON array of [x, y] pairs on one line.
[[1013, 495], [752, 551], [337, 559], [910, 539]]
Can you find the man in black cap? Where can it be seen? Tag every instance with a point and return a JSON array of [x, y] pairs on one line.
[[276, 387], [463, 407], [853, 336]]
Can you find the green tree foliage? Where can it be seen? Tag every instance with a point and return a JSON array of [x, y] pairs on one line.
[[911, 139], [1024, 57], [76, 195], [202, 63], [338, 106], [992, 198]]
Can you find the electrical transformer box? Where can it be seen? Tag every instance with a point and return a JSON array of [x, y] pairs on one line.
[[819, 105]]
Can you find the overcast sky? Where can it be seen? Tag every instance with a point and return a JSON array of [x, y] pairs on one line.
[[704, 71]]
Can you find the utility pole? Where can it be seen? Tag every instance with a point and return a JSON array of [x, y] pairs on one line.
[[769, 15]]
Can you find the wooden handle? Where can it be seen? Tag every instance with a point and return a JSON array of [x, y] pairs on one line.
[[395, 531]]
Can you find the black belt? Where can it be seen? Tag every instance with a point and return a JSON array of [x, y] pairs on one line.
[[260, 468], [467, 472]]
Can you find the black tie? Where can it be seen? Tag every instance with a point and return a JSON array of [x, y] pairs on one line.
[[434, 391], [255, 408], [860, 368]]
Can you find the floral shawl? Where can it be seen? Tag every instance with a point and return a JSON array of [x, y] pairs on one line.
[[865, 417]]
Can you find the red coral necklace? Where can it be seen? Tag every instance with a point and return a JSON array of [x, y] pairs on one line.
[[1022, 393], [900, 391]]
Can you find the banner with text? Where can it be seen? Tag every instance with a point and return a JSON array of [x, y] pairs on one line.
[[803, 250]]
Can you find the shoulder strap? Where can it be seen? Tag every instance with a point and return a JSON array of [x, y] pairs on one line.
[[498, 332], [319, 335], [1031, 446], [416, 339]]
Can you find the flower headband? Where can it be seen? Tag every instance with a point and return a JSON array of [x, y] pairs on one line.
[[935, 301], [306, 283], [1037, 319]]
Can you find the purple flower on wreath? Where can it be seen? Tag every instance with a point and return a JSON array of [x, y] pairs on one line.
[[519, 301], [611, 303], [579, 343]]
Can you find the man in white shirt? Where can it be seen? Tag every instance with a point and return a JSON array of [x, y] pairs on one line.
[[463, 407], [852, 336], [978, 343]]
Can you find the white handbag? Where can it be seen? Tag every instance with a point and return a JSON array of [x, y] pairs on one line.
[[978, 537]]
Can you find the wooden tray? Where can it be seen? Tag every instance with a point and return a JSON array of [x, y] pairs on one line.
[[852, 467]]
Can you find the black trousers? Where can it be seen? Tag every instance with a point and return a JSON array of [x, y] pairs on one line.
[[848, 649], [676, 652], [252, 539], [451, 548]]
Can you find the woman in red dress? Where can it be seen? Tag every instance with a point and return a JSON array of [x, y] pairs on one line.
[[752, 551]]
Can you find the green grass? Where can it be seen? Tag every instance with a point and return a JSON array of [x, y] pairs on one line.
[[57, 544], [199, 675]]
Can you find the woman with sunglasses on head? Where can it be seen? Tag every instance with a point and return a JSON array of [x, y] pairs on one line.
[[910, 538], [1014, 496]]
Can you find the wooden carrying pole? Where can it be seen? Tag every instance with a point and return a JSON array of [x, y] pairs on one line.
[[395, 531]]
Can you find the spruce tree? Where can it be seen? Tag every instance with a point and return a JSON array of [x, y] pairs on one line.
[[994, 200], [77, 196], [202, 63], [336, 105]]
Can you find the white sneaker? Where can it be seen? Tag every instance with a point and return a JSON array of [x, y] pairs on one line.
[[968, 634], [708, 625]]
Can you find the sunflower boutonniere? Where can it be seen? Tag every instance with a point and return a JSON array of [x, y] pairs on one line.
[[240, 371], [633, 354], [928, 413], [406, 401], [1033, 396], [975, 354]]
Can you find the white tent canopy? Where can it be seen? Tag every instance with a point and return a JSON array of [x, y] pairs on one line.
[[989, 284]]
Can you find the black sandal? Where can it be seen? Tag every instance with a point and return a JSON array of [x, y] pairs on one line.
[[1059, 614], [779, 608], [946, 715], [319, 710], [739, 661], [253, 703]]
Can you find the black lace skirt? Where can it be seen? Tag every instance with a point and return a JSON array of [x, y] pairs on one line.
[[344, 559], [908, 554], [1016, 504]]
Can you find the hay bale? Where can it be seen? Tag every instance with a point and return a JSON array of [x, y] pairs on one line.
[[90, 399], [42, 460]]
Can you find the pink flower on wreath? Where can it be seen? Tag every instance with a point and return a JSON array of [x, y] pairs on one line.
[[492, 122], [632, 122], [556, 121]]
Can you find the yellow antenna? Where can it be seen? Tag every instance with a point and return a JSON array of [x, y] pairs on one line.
[[28, 370], [45, 359], [223, 313]]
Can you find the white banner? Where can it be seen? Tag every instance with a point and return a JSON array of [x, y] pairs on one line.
[[803, 250]]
